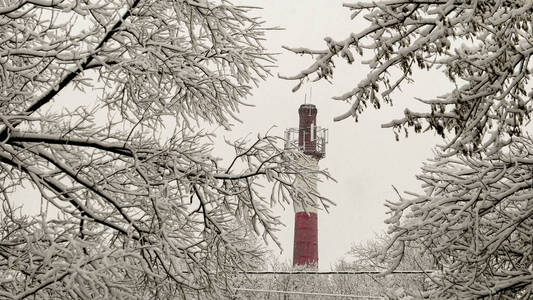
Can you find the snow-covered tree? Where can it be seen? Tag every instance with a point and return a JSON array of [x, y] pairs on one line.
[[413, 282], [475, 219], [355, 275], [484, 47], [133, 202], [474, 216]]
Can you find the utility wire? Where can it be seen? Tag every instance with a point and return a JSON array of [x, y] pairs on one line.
[[309, 293], [334, 272]]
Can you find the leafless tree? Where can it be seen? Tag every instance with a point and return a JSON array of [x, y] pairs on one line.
[[133, 202], [475, 219]]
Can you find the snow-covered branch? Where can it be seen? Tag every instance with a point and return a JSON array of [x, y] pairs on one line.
[[484, 47], [475, 219]]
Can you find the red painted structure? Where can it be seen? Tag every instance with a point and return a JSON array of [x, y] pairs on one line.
[[305, 239], [305, 251]]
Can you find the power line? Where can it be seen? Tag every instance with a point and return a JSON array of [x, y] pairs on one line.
[[309, 293], [334, 272]]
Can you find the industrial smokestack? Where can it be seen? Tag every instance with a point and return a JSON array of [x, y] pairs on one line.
[[311, 141]]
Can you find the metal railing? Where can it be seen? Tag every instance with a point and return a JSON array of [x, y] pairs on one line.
[[315, 143]]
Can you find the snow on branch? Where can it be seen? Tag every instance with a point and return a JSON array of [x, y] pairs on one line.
[[474, 219], [484, 47]]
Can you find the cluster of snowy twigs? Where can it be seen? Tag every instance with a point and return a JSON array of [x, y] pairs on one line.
[[475, 218], [126, 213]]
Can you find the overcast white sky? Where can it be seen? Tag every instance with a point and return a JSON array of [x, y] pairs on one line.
[[364, 159]]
